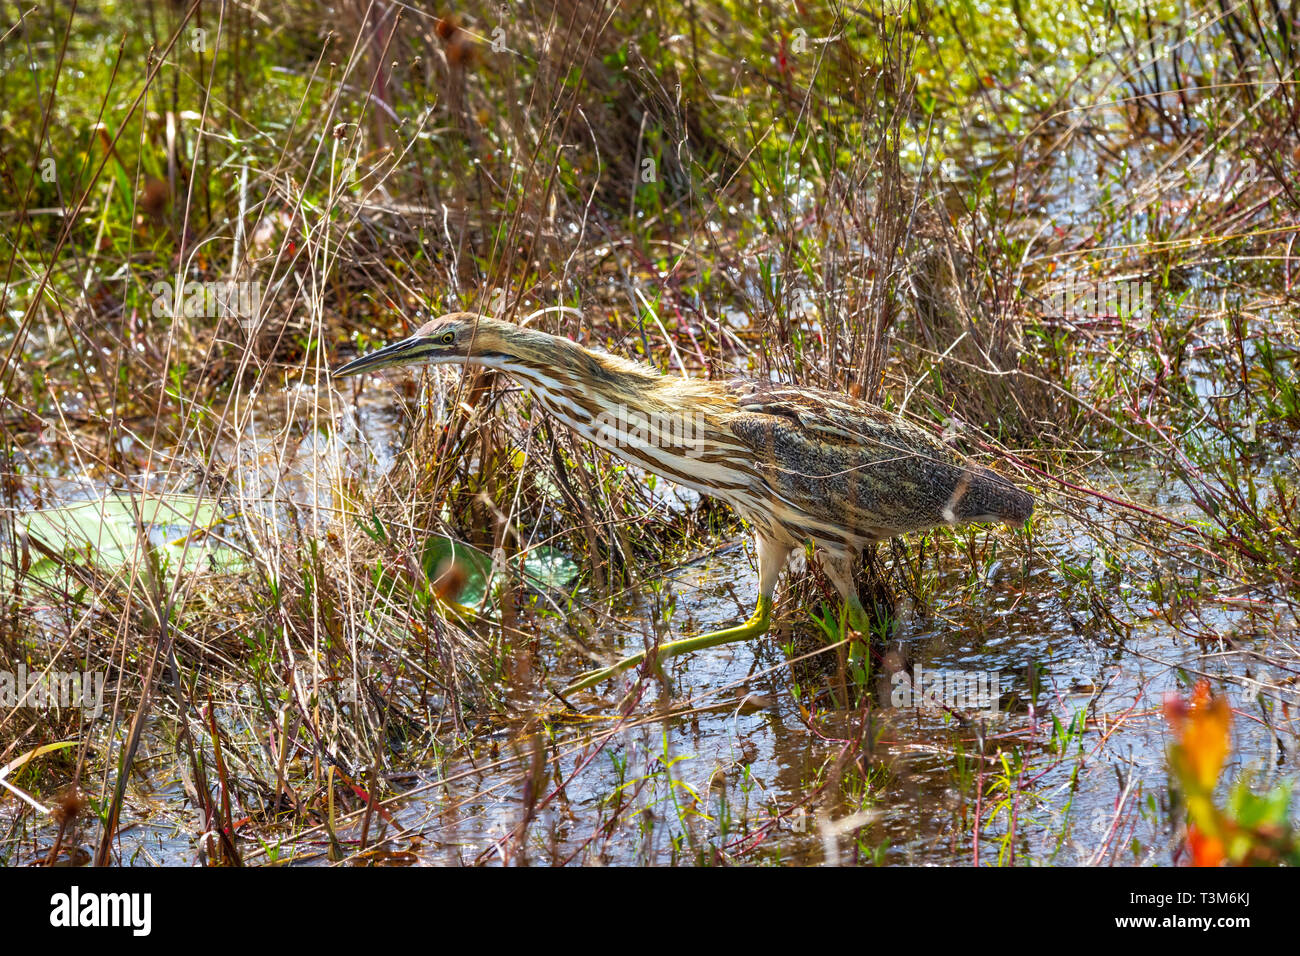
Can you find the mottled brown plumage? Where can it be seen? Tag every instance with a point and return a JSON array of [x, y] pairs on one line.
[[800, 465]]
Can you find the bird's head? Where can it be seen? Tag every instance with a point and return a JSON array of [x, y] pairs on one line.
[[982, 495], [458, 337]]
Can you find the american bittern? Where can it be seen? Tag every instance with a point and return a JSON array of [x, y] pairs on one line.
[[798, 464]]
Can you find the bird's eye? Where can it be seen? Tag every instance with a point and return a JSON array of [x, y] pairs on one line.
[[447, 338]]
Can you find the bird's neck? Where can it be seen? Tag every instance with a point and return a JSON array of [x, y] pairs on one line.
[[587, 390], [629, 409]]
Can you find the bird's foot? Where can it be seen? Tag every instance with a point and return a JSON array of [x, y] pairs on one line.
[[757, 624]]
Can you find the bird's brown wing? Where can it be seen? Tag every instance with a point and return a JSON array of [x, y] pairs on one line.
[[847, 465], [834, 418]]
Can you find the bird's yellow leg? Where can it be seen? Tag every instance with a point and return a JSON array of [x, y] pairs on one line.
[[839, 569], [856, 618], [757, 624], [857, 615]]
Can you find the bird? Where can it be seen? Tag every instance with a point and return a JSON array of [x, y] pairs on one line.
[[800, 465]]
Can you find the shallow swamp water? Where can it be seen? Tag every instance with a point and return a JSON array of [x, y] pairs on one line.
[[1064, 764]]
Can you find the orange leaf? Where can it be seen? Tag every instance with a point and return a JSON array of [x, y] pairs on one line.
[[1202, 728], [1205, 736], [1206, 850]]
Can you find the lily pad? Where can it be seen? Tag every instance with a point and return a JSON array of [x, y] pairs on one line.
[[544, 567], [110, 530], [439, 552], [549, 567]]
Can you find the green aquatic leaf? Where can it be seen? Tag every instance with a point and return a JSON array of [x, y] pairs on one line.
[[111, 530], [549, 567], [477, 567], [543, 567]]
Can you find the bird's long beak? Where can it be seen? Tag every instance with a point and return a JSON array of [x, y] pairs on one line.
[[399, 353]]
